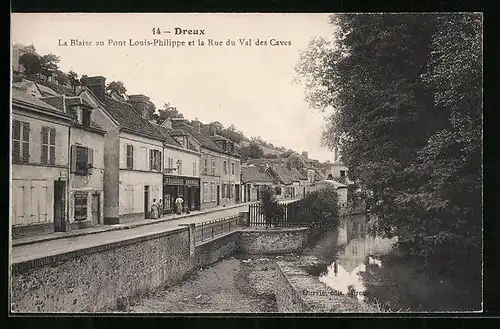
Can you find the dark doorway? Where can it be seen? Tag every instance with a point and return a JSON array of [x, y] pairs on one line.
[[59, 202], [146, 201], [237, 192], [96, 209], [258, 192], [218, 195]]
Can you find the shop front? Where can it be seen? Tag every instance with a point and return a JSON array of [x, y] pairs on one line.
[[188, 188]]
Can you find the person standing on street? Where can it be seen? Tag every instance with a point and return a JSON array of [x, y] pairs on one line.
[[154, 210], [160, 209], [178, 204]]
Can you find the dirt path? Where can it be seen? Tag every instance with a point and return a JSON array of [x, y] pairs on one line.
[[230, 286]]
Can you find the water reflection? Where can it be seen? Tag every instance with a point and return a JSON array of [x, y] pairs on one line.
[[359, 250]]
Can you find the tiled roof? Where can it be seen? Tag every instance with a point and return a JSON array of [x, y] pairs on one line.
[[283, 174], [204, 141], [297, 174], [76, 101], [254, 174], [264, 161], [168, 137], [52, 87], [24, 84], [21, 96], [58, 102], [129, 119], [46, 91], [55, 101]]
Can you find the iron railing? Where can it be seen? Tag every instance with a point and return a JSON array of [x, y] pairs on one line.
[[213, 228], [291, 213]]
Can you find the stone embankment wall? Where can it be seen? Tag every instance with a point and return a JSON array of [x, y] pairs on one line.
[[297, 291], [109, 276], [273, 241]]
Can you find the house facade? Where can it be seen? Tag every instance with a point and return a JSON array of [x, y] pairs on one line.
[[181, 171], [219, 169], [133, 153], [253, 180], [86, 149], [40, 165]]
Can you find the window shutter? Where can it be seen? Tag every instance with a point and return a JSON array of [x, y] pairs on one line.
[[16, 130], [90, 156], [26, 140], [159, 160], [52, 155], [131, 156], [45, 147], [26, 132], [151, 159], [52, 136], [16, 151], [73, 158]]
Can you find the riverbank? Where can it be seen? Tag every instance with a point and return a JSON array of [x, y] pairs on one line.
[[239, 284]]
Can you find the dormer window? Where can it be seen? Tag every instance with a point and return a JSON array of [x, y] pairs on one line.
[[86, 117]]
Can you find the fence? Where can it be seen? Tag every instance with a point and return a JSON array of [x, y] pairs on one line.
[[210, 229], [290, 215]]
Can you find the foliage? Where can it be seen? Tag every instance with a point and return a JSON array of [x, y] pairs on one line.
[[232, 134], [168, 111], [251, 151], [31, 63], [61, 77], [271, 209], [406, 97], [49, 65], [116, 86], [322, 209]]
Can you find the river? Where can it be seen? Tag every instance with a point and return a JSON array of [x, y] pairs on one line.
[[369, 268]]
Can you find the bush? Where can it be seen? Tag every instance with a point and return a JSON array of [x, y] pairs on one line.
[[271, 209], [321, 210]]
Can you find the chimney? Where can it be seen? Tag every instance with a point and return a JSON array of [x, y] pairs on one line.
[[305, 154], [96, 84], [167, 123], [141, 104], [197, 125]]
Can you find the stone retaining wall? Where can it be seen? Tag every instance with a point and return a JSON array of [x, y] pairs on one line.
[[107, 277], [297, 291], [273, 241]]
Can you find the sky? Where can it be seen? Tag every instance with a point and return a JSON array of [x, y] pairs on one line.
[[249, 86]]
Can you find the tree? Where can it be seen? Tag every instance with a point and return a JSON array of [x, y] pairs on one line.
[[61, 77], [407, 116], [116, 86], [73, 79], [232, 134], [215, 127], [49, 65], [252, 151], [271, 209], [168, 111], [31, 63]]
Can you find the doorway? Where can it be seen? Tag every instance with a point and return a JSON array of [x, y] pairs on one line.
[[218, 195], [59, 202], [96, 209], [237, 193], [146, 201]]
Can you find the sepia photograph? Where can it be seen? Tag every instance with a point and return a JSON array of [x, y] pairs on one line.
[[226, 163]]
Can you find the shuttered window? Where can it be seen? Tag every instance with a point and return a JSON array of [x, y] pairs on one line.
[[130, 156], [213, 166], [81, 158], [179, 167], [154, 160], [205, 166], [48, 146], [20, 141]]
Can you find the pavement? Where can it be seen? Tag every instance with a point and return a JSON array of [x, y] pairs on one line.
[[58, 243]]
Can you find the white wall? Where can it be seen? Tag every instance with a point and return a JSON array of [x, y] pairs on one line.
[[187, 159], [141, 145], [132, 190]]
